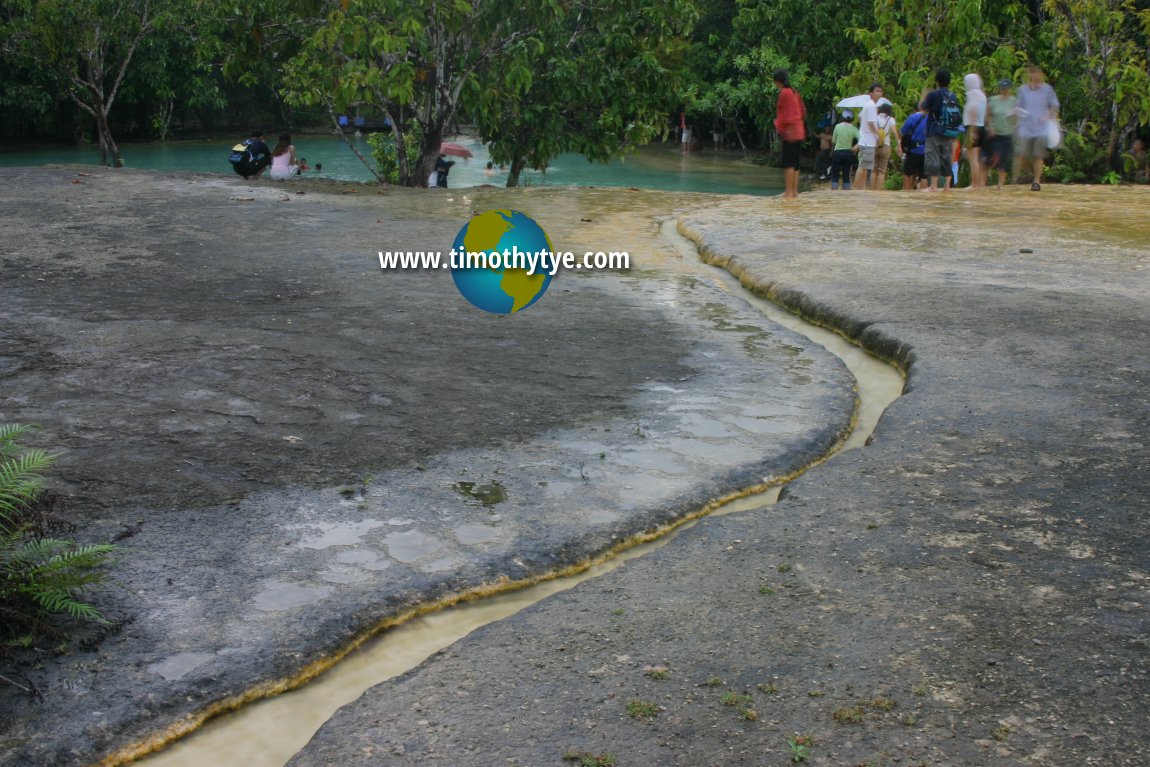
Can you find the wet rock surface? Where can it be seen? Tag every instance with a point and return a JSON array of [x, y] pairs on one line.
[[970, 589], [293, 445]]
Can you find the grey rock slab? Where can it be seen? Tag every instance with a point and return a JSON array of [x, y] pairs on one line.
[[297, 446], [975, 581]]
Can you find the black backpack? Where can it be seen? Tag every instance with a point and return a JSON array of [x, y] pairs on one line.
[[242, 153], [948, 118]]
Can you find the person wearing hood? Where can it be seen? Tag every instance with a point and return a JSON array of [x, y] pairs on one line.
[[974, 118]]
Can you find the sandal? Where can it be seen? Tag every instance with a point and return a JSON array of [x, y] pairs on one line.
[[1035, 187]]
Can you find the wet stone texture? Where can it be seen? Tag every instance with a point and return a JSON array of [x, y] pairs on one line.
[[292, 445], [970, 589]]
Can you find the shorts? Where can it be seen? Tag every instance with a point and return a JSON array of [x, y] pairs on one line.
[[866, 157], [881, 159], [1002, 152], [913, 166], [1032, 148], [249, 169], [977, 134], [792, 151]]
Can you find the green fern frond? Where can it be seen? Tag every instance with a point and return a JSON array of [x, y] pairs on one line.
[[56, 600], [24, 468], [40, 577], [10, 432], [20, 482]]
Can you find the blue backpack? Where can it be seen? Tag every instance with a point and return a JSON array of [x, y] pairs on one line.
[[242, 153], [948, 118]]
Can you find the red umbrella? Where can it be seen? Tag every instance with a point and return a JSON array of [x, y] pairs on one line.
[[457, 150]]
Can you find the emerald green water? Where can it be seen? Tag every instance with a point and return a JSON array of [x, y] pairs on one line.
[[657, 166]]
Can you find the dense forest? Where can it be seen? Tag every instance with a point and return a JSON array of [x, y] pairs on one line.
[[542, 77]]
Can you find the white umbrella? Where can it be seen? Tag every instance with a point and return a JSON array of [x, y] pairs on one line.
[[858, 102]]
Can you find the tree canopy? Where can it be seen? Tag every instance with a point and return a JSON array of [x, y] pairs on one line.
[[537, 78]]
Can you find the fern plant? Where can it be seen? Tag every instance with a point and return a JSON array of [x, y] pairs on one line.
[[41, 577]]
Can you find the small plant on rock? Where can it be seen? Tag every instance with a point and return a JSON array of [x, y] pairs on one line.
[[642, 709], [42, 578], [588, 759], [800, 747]]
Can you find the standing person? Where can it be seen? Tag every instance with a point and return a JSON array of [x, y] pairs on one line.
[[974, 118], [789, 116], [1000, 132], [252, 156], [845, 136], [943, 125], [887, 130], [283, 159], [1037, 105], [826, 147], [868, 137], [442, 168], [914, 148]]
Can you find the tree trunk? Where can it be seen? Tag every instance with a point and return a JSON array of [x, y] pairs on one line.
[[107, 143], [517, 166], [429, 153]]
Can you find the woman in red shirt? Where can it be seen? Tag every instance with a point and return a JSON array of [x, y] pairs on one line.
[[790, 114]]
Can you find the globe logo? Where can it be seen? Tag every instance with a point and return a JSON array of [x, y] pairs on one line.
[[502, 286]]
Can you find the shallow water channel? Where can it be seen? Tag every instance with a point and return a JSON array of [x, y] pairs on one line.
[[268, 733], [655, 166]]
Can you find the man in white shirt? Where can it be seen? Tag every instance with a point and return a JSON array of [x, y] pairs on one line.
[[868, 138]]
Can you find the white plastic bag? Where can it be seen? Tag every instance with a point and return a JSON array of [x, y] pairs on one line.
[[1053, 134]]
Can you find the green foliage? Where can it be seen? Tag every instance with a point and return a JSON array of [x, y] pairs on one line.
[[737, 46], [417, 61], [908, 40], [800, 746], [1102, 65], [41, 577], [386, 154], [91, 49], [20, 482], [1079, 158], [598, 86]]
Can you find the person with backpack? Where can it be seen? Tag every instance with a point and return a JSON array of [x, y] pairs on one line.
[[913, 143], [943, 126], [252, 156], [887, 129], [789, 122]]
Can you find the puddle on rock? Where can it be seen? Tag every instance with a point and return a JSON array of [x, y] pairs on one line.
[[411, 545], [278, 596], [487, 493], [177, 666]]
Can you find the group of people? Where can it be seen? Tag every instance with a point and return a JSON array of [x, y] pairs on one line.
[[251, 158], [930, 142]]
